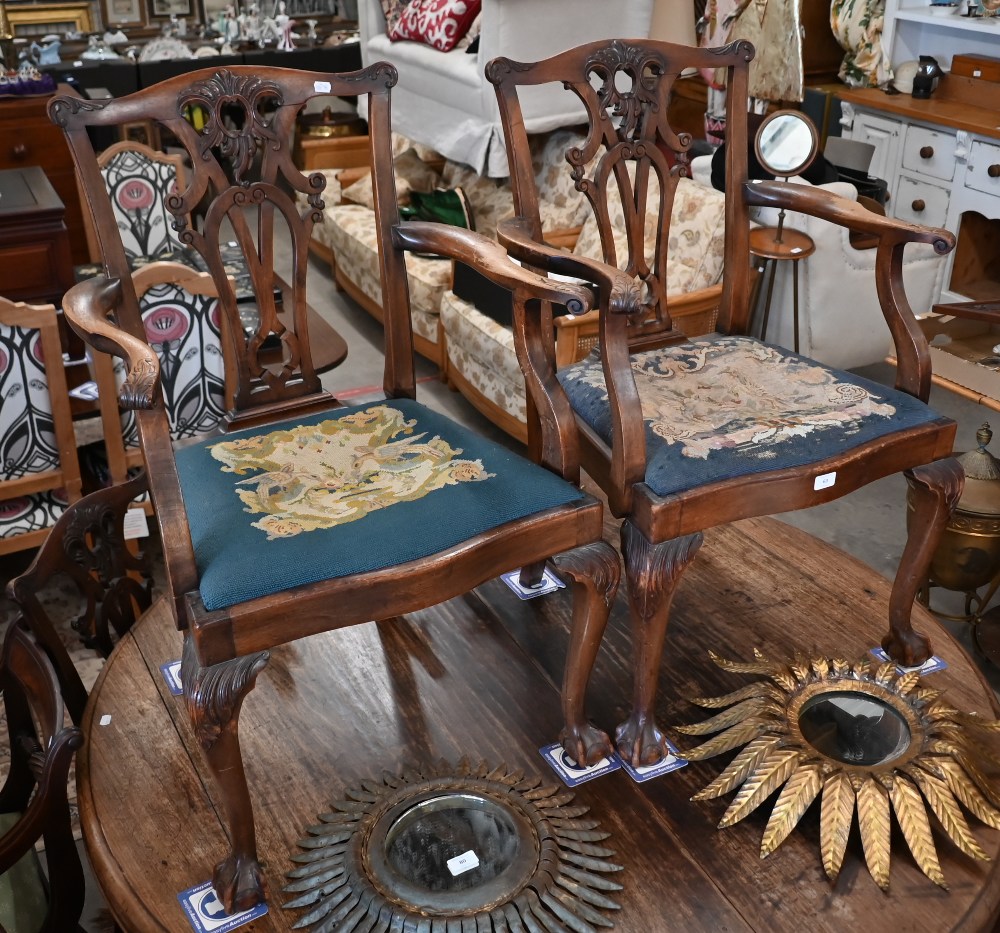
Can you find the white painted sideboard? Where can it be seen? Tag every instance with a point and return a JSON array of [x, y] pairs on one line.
[[941, 159]]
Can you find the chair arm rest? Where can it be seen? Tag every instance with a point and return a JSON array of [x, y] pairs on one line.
[[87, 306], [619, 298], [619, 288], [845, 213], [490, 260]]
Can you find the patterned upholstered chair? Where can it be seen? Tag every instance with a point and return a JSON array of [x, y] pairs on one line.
[[33, 803], [139, 180], [307, 515], [684, 434], [39, 471], [181, 321]]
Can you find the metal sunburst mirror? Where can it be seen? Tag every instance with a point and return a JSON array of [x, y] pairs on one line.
[[860, 736], [456, 847]]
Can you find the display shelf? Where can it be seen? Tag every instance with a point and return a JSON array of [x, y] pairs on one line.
[[911, 30]]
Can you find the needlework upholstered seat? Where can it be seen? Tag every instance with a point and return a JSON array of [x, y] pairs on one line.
[[305, 515], [684, 434]]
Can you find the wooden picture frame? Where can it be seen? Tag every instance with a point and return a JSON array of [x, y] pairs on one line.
[[25, 18], [163, 8], [123, 12]]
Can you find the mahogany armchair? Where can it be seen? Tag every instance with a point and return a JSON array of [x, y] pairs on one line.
[[309, 516], [33, 802], [684, 434]]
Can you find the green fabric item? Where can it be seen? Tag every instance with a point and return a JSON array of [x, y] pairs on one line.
[[443, 205], [23, 904]]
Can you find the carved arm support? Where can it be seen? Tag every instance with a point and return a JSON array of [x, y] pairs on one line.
[[558, 446], [87, 306], [618, 300], [913, 374]]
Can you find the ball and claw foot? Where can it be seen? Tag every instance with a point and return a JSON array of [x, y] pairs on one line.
[[911, 649], [238, 883], [586, 745], [640, 742]]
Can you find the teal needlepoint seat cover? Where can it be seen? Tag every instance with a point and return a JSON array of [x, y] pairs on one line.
[[347, 491], [720, 407]]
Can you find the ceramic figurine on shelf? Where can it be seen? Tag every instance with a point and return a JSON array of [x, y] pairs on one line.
[[284, 23], [312, 35], [48, 54]]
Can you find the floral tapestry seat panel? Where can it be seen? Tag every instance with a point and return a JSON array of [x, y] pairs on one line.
[[345, 492], [27, 432], [183, 330], [719, 407]]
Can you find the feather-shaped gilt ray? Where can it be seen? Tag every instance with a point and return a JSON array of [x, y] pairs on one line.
[[912, 816], [755, 706], [730, 739], [738, 769], [836, 817], [793, 801], [770, 774], [948, 811], [873, 821]]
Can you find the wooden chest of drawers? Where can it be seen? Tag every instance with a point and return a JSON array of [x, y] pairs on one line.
[[28, 138], [35, 263]]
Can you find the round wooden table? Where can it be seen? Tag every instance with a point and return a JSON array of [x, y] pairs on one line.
[[773, 245], [477, 677]]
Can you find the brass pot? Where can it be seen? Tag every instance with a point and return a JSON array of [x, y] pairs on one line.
[[968, 555]]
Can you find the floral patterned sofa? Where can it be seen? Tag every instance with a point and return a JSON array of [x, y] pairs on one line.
[[474, 351]]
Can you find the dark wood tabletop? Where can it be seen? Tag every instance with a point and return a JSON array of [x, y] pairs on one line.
[[477, 677]]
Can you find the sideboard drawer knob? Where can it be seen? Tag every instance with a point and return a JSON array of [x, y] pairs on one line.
[[918, 205], [19, 151], [993, 171], [926, 152]]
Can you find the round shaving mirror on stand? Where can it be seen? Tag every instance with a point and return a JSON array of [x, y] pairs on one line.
[[786, 144]]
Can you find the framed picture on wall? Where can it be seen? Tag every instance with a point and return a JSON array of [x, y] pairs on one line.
[[170, 7], [123, 12]]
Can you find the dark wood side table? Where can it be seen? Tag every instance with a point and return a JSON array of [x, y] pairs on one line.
[[34, 242], [773, 245], [478, 678]]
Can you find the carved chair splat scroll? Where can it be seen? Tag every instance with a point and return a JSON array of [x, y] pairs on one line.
[[308, 516], [685, 434]]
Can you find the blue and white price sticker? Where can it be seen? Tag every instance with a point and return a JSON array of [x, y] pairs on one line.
[[206, 914], [932, 664], [570, 772]]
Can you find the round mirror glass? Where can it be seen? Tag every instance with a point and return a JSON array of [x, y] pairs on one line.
[[426, 844], [786, 143], [854, 728]]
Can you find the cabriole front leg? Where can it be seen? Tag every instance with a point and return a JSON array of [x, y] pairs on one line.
[[935, 489], [653, 572], [594, 571], [214, 697]]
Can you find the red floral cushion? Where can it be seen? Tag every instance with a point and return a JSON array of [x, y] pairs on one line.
[[393, 10], [438, 23]]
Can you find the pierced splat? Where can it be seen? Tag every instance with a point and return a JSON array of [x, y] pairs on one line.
[[240, 158], [631, 154]]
